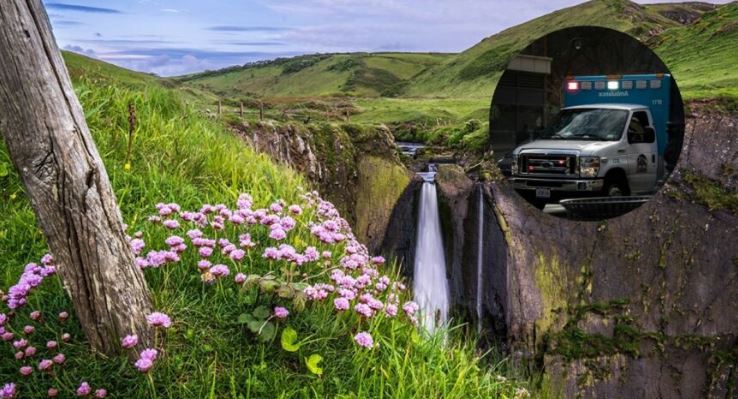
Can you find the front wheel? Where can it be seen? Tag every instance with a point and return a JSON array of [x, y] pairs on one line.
[[615, 188]]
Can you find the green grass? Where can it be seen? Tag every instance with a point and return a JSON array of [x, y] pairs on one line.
[[702, 56], [179, 156], [359, 74]]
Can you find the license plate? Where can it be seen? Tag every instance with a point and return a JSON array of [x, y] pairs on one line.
[[543, 193]]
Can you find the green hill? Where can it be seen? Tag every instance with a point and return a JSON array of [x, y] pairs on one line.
[[359, 74], [671, 29], [703, 55], [474, 72]]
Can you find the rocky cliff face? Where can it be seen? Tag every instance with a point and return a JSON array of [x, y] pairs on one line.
[[638, 306], [355, 167]]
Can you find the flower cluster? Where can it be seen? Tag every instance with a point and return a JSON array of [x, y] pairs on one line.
[[31, 351], [33, 275], [147, 357], [222, 239]]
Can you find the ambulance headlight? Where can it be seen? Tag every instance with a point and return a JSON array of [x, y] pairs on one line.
[[589, 166]]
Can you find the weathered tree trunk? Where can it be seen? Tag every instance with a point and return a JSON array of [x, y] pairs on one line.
[[49, 142]]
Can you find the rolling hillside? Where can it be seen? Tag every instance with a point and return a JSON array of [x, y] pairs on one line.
[[671, 29], [703, 55], [359, 74]]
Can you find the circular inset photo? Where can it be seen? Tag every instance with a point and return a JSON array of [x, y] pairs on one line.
[[586, 123]]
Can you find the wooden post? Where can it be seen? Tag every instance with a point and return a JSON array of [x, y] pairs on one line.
[[220, 106], [49, 143], [241, 109], [261, 110]]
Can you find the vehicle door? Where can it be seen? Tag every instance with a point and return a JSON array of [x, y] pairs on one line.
[[642, 154]]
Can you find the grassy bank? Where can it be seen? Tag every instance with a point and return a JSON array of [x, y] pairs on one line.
[[212, 350]]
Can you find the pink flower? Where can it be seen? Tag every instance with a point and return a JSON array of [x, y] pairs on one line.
[[8, 391], [52, 392], [341, 303], [174, 241], [19, 355], [144, 365], [59, 358], [20, 344], [137, 245], [45, 364], [158, 319], [171, 224], [205, 251], [277, 234], [146, 360], [66, 337], [204, 264], [391, 310], [287, 223], [7, 336], [51, 345], [35, 315], [378, 260], [245, 241], [3, 319], [410, 308], [364, 339], [270, 253], [63, 316], [280, 312], [149, 353], [237, 254], [240, 278], [220, 271], [26, 371], [101, 393], [295, 209], [84, 389], [129, 341], [364, 310], [276, 207], [29, 330], [30, 351]]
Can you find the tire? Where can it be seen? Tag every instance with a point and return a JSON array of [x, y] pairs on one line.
[[616, 187]]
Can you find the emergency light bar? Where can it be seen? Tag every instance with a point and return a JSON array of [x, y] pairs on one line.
[[575, 85]]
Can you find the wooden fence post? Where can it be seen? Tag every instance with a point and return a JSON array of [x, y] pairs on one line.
[[50, 145]]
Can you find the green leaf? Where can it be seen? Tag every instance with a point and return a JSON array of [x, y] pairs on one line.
[[299, 302], [285, 291], [268, 332], [3, 169], [312, 364], [415, 337], [252, 280], [244, 318], [289, 340], [254, 326], [267, 286], [261, 312]]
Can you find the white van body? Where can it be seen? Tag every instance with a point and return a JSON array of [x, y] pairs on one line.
[[614, 166]]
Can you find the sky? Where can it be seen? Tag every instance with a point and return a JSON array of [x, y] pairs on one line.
[[175, 37]]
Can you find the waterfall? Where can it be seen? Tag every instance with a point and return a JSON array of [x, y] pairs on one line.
[[480, 256], [429, 282]]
